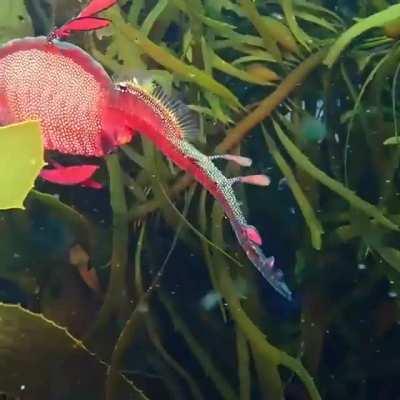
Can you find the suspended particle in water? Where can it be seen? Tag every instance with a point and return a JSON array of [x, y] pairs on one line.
[[282, 184], [337, 138]]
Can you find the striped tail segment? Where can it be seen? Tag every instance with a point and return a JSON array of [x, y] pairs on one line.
[[265, 265], [221, 188]]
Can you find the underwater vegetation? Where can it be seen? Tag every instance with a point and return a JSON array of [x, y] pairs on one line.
[[139, 289]]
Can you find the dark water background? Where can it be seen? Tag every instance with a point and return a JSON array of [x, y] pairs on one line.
[[343, 323]]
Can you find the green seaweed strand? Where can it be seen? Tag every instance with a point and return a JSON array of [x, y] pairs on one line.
[[169, 61], [117, 294], [311, 219], [151, 325], [250, 9], [236, 134], [170, 361], [224, 388], [305, 164], [373, 21], [298, 33], [271, 355], [243, 355], [152, 16]]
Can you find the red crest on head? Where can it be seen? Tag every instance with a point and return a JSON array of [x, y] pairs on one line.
[[85, 21], [96, 6]]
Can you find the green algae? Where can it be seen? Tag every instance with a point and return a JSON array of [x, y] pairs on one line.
[[333, 207]]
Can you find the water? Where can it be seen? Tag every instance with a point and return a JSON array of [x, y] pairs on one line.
[[122, 293]]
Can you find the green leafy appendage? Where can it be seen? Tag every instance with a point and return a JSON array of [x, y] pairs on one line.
[[21, 159]]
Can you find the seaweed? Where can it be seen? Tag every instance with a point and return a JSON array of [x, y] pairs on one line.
[[307, 89]]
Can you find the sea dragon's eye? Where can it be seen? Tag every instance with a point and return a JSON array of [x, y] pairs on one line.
[[122, 86]]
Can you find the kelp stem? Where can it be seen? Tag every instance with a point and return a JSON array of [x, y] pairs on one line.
[[169, 61], [305, 164], [258, 342], [241, 130], [117, 295], [373, 21], [169, 360], [123, 343], [243, 356], [223, 386], [259, 23], [272, 356], [315, 227], [297, 367], [268, 105]]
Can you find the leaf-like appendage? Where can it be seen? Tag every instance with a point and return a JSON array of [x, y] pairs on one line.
[[21, 159], [41, 360]]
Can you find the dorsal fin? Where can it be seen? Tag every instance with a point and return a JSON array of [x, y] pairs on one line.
[[181, 112], [183, 116]]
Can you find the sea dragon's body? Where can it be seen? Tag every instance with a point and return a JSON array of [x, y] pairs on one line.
[[82, 112]]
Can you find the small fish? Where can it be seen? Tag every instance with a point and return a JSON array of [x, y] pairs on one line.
[[83, 112]]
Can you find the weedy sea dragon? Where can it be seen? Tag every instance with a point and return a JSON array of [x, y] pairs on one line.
[[83, 112]]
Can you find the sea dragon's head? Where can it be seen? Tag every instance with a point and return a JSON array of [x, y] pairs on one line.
[[141, 105], [124, 114]]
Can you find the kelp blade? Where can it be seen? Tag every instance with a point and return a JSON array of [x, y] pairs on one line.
[[373, 21], [305, 164]]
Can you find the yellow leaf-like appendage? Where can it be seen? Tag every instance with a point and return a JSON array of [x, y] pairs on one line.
[[21, 159]]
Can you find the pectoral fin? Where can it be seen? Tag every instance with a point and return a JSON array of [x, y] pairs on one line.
[[116, 129], [72, 175]]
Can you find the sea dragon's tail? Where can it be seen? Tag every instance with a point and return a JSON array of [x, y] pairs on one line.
[[265, 265], [167, 123], [221, 188]]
